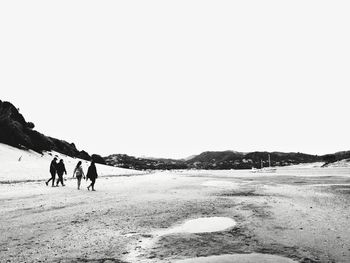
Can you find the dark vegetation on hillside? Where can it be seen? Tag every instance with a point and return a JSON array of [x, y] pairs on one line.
[[214, 160], [17, 132], [236, 160], [332, 158], [126, 161]]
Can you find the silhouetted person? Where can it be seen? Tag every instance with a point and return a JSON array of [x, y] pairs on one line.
[[92, 175], [61, 169], [79, 173], [53, 170]]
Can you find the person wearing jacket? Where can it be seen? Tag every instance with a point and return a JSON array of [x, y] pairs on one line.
[[92, 175], [60, 170], [79, 173], [53, 170]]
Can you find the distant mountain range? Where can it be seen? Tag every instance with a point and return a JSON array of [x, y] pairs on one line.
[[214, 160], [17, 132]]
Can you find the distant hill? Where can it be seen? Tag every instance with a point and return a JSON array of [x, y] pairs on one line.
[[239, 160], [131, 162], [214, 160], [17, 132], [335, 157]]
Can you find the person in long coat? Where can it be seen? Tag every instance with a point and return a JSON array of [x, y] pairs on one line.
[[53, 170], [92, 175], [61, 169]]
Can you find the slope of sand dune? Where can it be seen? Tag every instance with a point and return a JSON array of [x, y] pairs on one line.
[[341, 163], [22, 165]]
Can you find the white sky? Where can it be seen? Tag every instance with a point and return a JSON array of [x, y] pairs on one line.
[[175, 78]]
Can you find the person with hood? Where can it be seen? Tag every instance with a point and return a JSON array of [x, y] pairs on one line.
[[79, 173], [53, 170], [92, 175], [60, 170]]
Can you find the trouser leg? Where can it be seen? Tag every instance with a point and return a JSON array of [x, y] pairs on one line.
[[79, 182], [53, 179], [93, 184], [60, 179]]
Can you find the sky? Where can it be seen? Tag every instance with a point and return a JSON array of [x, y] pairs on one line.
[[176, 78]]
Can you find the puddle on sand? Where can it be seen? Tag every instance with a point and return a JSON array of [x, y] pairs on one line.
[[240, 258], [201, 225], [221, 184]]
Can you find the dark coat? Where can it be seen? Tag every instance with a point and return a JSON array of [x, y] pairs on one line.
[[92, 172], [61, 168], [53, 167]]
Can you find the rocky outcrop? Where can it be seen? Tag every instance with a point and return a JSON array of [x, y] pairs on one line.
[[17, 132]]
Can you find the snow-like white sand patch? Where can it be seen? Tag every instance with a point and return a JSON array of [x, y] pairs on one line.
[[220, 184], [201, 225], [27, 165], [240, 258]]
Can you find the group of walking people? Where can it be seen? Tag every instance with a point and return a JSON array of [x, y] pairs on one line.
[[60, 169]]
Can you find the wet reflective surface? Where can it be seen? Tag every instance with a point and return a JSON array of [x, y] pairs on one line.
[[202, 225], [240, 258]]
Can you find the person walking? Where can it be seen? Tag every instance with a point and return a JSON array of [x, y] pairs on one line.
[[79, 173], [92, 175], [61, 169], [53, 170]]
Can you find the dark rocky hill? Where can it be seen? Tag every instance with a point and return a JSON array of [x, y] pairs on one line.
[[17, 132]]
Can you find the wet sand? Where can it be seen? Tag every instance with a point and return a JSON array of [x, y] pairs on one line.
[[297, 216]]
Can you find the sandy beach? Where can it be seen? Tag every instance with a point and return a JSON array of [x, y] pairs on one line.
[[216, 131], [294, 215]]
